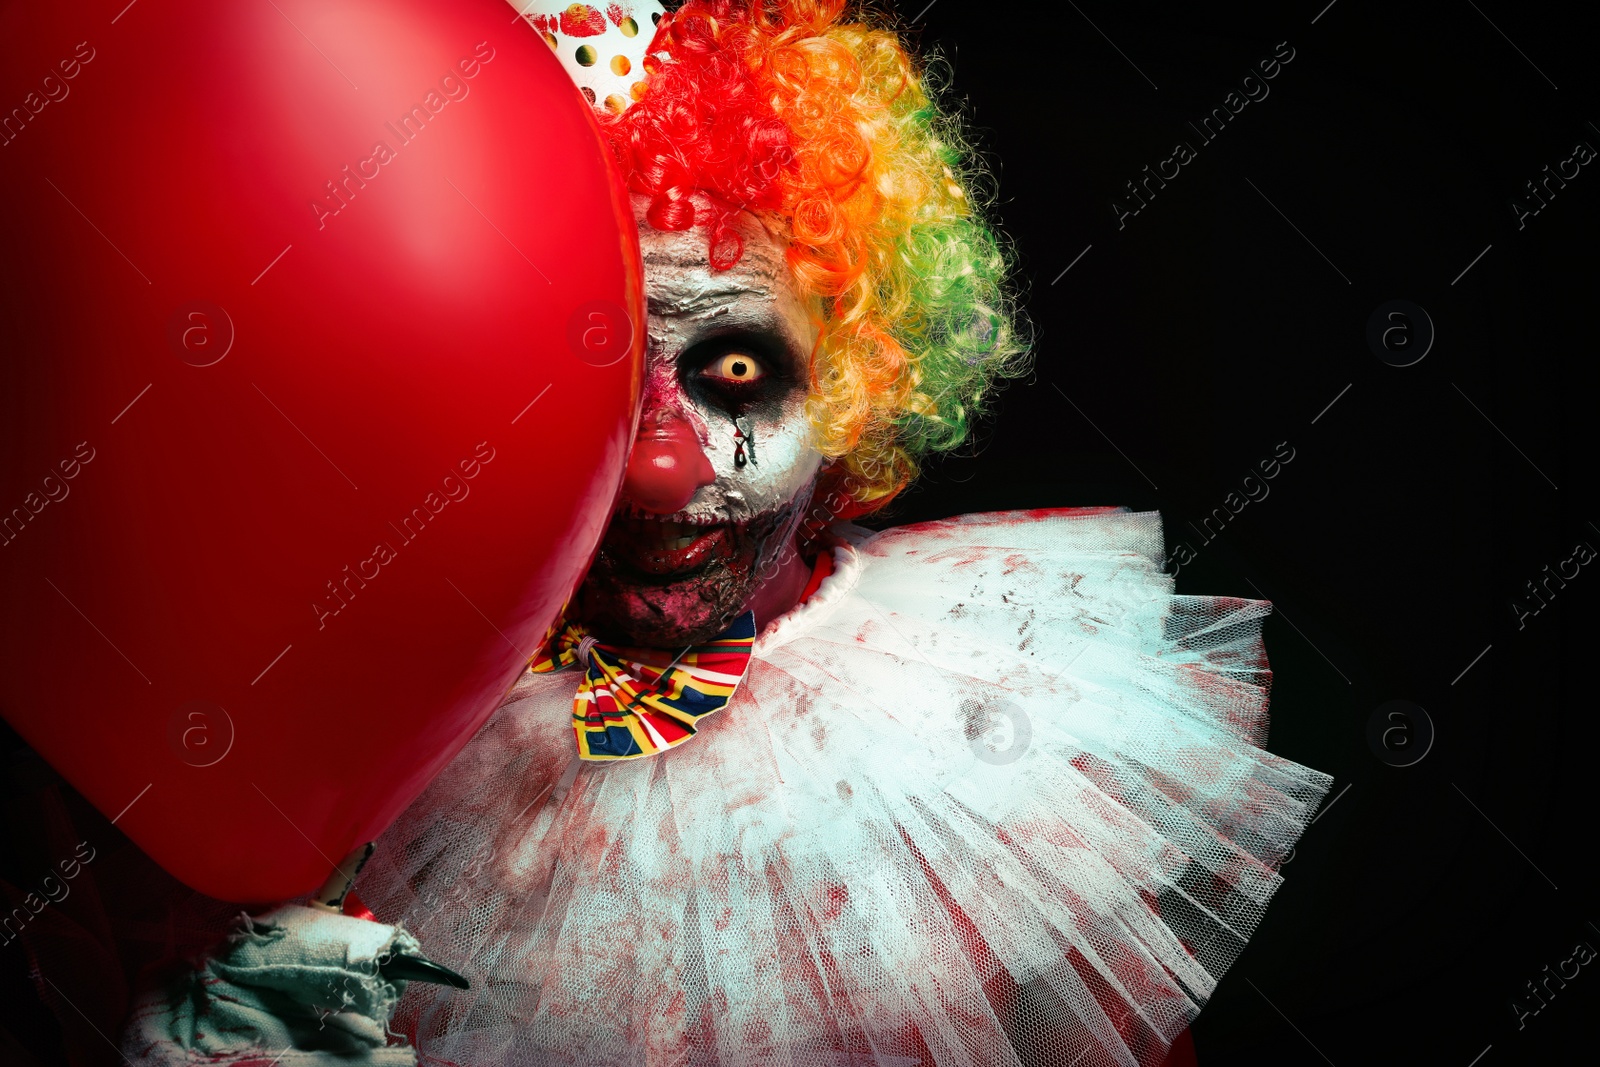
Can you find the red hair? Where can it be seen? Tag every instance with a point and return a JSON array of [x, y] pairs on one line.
[[827, 130]]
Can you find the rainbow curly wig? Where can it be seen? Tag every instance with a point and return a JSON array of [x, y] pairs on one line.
[[824, 126]]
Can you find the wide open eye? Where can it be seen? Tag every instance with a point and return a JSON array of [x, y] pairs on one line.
[[738, 367]]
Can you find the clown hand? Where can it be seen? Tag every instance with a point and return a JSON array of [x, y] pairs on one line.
[[298, 987]]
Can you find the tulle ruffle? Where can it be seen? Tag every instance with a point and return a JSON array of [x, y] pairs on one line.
[[992, 796]]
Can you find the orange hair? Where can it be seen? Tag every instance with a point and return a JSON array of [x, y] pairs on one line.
[[828, 130]]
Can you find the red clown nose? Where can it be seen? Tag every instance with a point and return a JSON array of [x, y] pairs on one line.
[[665, 468]]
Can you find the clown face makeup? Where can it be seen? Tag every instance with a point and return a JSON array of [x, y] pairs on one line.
[[723, 467]]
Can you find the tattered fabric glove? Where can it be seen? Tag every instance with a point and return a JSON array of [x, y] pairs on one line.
[[297, 987]]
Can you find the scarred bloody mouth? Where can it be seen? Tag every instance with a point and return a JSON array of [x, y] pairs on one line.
[[666, 549], [673, 580]]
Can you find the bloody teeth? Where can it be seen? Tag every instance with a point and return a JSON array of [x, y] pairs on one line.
[[662, 548], [668, 534]]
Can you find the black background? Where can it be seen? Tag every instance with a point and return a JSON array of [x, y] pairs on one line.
[[1207, 330], [1420, 500]]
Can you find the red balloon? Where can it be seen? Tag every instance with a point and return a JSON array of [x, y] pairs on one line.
[[320, 376]]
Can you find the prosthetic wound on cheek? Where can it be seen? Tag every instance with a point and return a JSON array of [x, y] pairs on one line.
[[666, 468]]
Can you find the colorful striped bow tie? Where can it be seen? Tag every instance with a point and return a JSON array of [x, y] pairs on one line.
[[636, 702]]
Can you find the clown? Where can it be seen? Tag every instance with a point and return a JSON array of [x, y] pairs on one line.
[[782, 790]]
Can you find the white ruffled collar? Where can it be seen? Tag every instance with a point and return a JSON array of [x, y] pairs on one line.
[[855, 830], [846, 574]]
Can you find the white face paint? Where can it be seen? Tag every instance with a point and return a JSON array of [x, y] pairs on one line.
[[749, 310], [721, 345]]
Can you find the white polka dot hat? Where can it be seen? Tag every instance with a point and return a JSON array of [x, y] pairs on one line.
[[602, 47]]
